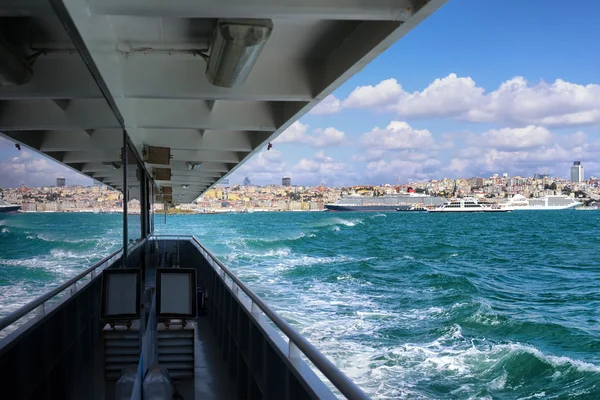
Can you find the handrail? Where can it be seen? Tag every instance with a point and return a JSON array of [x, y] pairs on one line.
[[149, 352], [344, 384], [32, 305]]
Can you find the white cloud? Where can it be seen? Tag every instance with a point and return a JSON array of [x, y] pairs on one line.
[[397, 135], [444, 97], [561, 103], [515, 138], [298, 133], [266, 161], [383, 94], [516, 101], [265, 167], [329, 105], [31, 169], [368, 155], [458, 165], [577, 139], [295, 133], [321, 168], [404, 170], [325, 137]]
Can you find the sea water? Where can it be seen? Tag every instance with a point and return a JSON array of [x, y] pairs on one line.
[[409, 305]]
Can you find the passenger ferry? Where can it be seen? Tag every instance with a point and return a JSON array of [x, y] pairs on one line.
[[468, 204], [549, 202], [162, 100]]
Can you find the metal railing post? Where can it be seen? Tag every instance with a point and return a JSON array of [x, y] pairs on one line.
[[293, 350], [40, 311]]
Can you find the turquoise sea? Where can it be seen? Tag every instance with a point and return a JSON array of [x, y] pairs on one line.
[[409, 305]]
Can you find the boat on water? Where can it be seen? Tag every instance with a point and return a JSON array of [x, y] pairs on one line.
[[550, 202], [394, 202], [589, 207], [415, 208], [469, 204], [7, 207], [162, 103]]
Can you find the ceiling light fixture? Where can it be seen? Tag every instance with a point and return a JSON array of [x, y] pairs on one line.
[[191, 165], [235, 48], [185, 186]]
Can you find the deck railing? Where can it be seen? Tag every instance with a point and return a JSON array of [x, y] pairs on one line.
[[297, 344], [72, 285]]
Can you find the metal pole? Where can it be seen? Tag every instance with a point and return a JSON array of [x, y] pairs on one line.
[[125, 198], [144, 202]]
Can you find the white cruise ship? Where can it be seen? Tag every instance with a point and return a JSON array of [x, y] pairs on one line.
[[549, 202], [469, 204]]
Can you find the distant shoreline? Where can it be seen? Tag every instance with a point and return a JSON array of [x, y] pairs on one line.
[[179, 212]]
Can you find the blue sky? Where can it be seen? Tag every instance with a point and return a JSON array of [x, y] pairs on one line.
[[480, 87]]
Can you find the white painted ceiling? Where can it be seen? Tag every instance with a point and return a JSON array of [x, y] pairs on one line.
[[145, 52]]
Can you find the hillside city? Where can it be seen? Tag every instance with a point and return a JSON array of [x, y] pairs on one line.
[[288, 197]]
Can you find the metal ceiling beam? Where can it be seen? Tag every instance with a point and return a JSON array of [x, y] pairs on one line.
[[90, 167], [193, 139], [79, 140], [105, 139], [204, 174], [206, 156], [55, 78], [25, 115], [144, 77], [144, 113], [179, 182], [91, 156], [203, 166], [384, 10], [196, 114]]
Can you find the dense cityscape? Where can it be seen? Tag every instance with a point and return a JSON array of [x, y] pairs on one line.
[[288, 197]]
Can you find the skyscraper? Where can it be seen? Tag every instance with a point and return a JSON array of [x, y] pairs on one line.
[[286, 181], [60, 182], [247, 181], [577, 172]]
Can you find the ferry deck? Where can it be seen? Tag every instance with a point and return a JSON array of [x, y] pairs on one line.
[[161, 101]]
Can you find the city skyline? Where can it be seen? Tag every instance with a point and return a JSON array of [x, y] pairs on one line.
[[476, 89], [285, 181]]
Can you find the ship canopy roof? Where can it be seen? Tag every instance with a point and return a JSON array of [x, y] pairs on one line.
[[75, 73]]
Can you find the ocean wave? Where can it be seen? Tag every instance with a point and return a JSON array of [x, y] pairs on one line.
[[60, 253], [58, 239], [451, 360], [253, 243], [339, 221], [349, 222]]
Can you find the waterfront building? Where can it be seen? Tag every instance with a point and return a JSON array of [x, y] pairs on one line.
[[577, 172]]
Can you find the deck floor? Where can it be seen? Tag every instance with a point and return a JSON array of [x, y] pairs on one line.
[[210, 371]]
